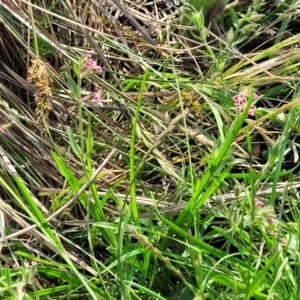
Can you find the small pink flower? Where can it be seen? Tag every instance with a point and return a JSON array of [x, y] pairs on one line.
[[88, 64], [251, 110], [97, 98], [91, 63], [241, 99], [272, 221], [258, 203], [98, 69]]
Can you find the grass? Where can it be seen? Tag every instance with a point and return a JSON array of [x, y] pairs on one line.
[[166, 187]]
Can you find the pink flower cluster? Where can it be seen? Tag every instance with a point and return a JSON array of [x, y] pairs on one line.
[[241, 99], [92, 64], [259, 204]]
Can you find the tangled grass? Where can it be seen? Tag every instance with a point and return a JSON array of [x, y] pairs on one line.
[[129, 170]]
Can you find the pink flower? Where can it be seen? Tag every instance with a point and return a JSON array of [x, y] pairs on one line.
[[98, 69], [88, 64], [272, 221], [97, 98], [241, 99], [91, 63], [258, 203], [251, 110]]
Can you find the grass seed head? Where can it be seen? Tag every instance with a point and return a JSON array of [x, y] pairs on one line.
[[38, 76]]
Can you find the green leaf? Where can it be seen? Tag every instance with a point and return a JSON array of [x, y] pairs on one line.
[[73, 143], [73, 87], [76, 69], [236, 286], [200, 244]]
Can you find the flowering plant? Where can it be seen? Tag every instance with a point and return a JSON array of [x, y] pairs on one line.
[[241, 100], [87, 66]]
